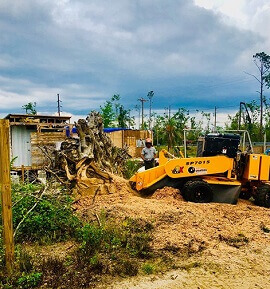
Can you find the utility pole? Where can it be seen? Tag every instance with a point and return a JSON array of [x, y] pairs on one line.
[[138, 108], [59, 104], [5, 190], [150, 96], [215, 123], [169, 112], [142, 100], [239, 118], [129, 118], [261, 97], [166, 111]]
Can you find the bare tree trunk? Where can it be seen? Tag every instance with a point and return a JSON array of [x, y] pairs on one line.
[[261, 102]]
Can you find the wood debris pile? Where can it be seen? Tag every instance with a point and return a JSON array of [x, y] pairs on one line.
[[91, 159]]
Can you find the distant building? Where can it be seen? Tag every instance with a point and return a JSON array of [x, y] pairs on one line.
[[134, 139], [30, 135]]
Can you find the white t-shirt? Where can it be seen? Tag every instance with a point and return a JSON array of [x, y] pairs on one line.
[[149, 153]]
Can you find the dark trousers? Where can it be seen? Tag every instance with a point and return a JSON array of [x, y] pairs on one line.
[[149, 164]]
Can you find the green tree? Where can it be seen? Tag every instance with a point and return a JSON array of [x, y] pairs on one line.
[[114, 113], [262, 62], [30, 108], [252, 125], [107, 113], [116, 103], [169, 130], [207, 117], [172, 131], [124, 119]]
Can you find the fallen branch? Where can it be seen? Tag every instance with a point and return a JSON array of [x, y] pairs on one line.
[[43, 191], [98, 219], [57, 177]]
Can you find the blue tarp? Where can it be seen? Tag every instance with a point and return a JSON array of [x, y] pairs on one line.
[[111, 129], [107, 129]]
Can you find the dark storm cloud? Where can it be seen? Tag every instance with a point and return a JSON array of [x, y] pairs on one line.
[[89, 50]]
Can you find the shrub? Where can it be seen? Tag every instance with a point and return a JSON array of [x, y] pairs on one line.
[[51, 220], [136, 237], [131, 167], [114, 247], [23, 259], [126, 267], [131, 235], [30, 280], [148, 268], [91, 237]]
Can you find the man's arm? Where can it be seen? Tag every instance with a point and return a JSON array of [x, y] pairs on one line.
[[155, 153], [142, 154]]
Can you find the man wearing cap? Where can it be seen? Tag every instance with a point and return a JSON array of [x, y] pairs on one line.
[[148, 154]]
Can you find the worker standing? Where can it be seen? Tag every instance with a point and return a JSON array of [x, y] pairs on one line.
[[148, 154]]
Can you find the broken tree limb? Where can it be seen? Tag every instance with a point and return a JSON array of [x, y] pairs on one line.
[[43, 191]]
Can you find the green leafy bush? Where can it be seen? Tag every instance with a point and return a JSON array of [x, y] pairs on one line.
[[136, 237], [106, 246], [30, 280], [114, 247], [131, 235], [91, 237], [131, 167], [148, 268], [51, 220]]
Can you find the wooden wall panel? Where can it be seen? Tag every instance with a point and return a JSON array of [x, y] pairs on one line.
[[117, 138], [130, 138], [41, 140]]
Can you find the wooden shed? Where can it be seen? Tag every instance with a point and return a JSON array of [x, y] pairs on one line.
[[134, 139], [29, 134]]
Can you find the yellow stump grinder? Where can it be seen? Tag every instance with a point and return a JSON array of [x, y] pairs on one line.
[[219, 173]]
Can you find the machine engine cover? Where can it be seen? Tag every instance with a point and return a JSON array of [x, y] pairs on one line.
[[217, 143]]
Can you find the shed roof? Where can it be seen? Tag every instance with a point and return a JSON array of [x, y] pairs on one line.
[[36, 116]]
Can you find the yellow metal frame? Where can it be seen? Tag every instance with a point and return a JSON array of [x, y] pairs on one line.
[[183, 168], [209, 168], [214, 180]]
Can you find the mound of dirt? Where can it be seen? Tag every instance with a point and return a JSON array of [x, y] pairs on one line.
[[228, 238], [115, 185], [167, 193], [121, 185], [176, 221]]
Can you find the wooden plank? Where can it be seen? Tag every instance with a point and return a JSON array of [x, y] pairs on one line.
[[41, 140], [23, 171], [5, 190]]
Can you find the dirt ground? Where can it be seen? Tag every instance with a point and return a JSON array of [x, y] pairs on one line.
[[215, 245]]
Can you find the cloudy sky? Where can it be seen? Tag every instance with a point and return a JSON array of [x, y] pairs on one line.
[[192, 54]]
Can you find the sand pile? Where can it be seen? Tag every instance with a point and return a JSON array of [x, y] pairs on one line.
[[177, 222], [227, 239], [167, 193]]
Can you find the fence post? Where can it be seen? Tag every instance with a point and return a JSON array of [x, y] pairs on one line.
[[5, 190]]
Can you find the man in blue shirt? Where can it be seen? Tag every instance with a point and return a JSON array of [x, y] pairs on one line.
[[148, 154]]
